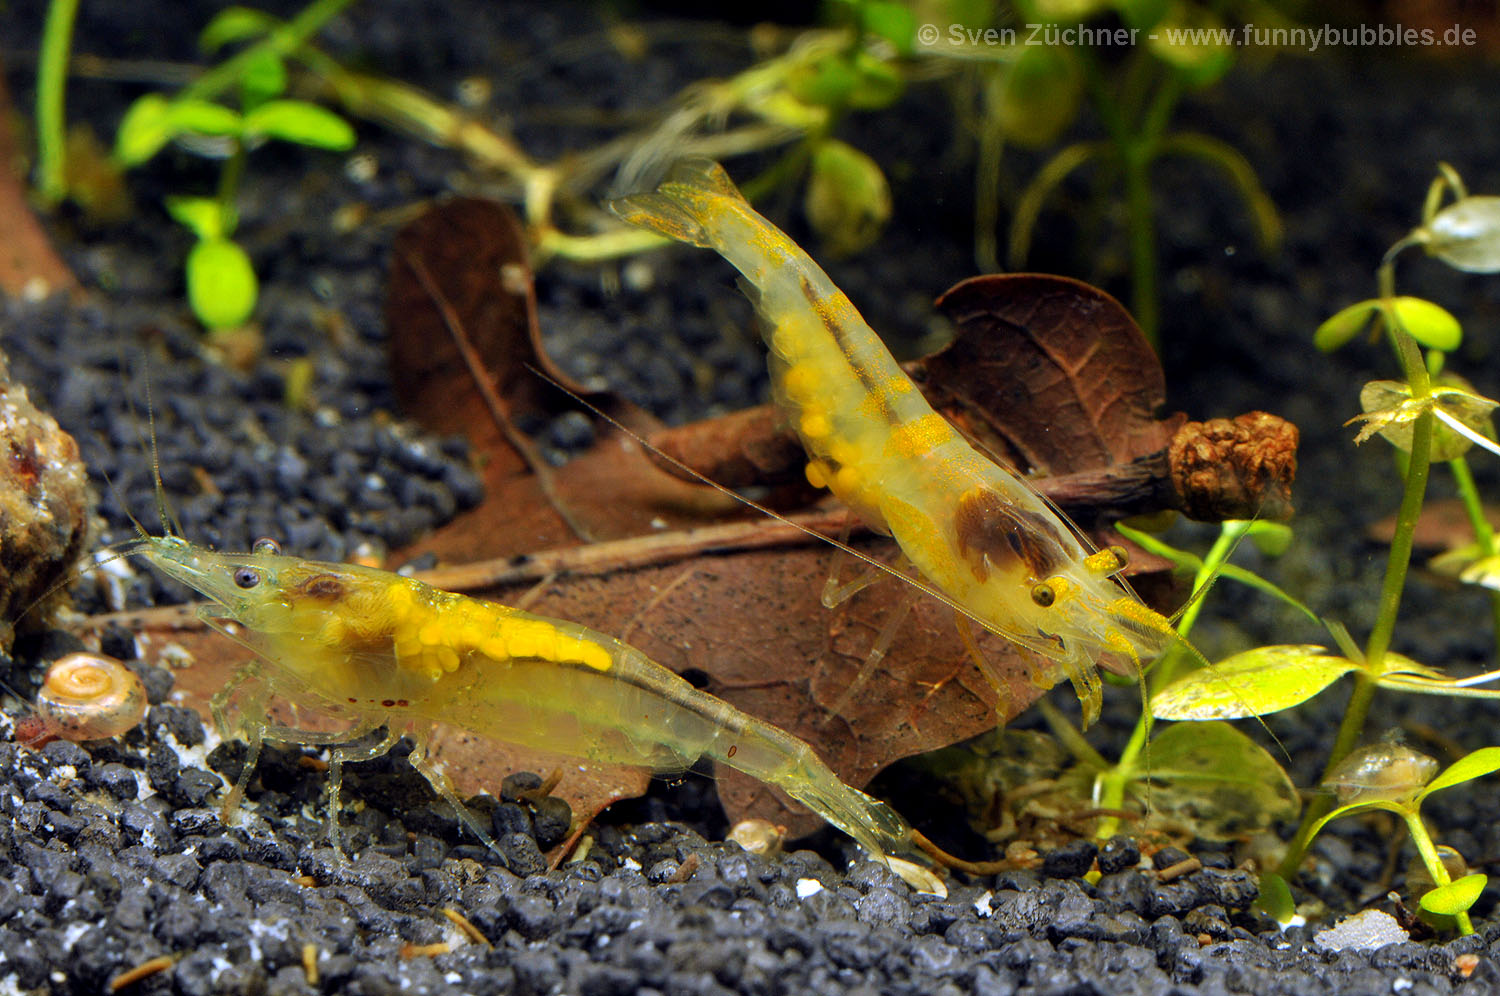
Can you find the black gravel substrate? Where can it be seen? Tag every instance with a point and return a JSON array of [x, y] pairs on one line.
[[116, 854]]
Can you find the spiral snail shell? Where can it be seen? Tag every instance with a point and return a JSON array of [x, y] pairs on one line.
[[90, 697]]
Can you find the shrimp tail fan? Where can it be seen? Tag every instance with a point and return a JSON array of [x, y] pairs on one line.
[[678, 207]]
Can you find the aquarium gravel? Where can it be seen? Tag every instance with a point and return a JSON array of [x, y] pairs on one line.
[[114, 855]]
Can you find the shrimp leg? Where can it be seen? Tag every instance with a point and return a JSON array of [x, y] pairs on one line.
[[440, 783]]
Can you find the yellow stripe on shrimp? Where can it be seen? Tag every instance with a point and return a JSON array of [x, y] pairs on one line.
[[975, 531], [380, 650]]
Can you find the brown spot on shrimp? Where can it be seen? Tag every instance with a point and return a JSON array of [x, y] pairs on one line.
[[323, 587], [993, 533]]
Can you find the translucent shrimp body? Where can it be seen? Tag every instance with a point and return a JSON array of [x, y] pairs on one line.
[[974, 530], [378, 649]]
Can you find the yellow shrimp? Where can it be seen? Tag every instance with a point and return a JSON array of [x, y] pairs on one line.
[[975, 531], [380, 650]]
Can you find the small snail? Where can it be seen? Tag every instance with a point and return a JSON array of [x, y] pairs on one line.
[[84, 697], [1386, 770]]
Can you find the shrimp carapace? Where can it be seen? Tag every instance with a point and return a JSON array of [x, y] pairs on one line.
[[974, 530], [380, 650]]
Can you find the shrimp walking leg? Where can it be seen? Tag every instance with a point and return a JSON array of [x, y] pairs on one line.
[[343, 754], [435, 776]]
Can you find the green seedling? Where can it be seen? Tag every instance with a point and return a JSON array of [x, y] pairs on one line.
[[222, 287], [1397, 780]]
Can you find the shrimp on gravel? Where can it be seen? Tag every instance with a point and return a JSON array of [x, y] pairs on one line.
[[379, 650]]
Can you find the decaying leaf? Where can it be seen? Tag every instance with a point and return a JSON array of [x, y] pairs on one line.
[[1219, 781], [465, 263], [1390, 410], [1051, 374]]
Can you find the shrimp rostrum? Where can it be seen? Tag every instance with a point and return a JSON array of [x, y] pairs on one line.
[[985, 540], [382, 651]]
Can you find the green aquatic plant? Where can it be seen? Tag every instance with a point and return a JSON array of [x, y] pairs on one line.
[[51, 82], [1398, 780], [1132, 62], [1425, 416], [222, 287]]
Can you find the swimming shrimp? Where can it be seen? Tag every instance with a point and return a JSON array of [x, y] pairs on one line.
[[379, 650], [986, 540]]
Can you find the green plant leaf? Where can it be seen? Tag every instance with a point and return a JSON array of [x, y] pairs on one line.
[[235, 24], [1482, 762], [1252, 683], [1161, 548], [1246, 577], [203, 216], [144, 129], [1037, 96], [895, 22], [1219, 779], [877, 83], [1430, 324], [203, 117], [1466, 235], [1354, 808], [221, 284], [1456, 897], [1143, 15], [299, 122], [1345, 325], [1060, 11], [1394, 663], [848, 200], [263, 79], [1484, 571], [1275, 899]]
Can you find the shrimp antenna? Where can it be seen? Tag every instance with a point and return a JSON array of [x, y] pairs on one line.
[[169, 524], [878, 565]]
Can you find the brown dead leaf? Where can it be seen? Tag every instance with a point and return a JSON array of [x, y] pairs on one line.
[[467, 256], [1050, 373], [28, 262], [1442, 525]]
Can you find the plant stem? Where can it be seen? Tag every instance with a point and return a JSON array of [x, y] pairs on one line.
[[1418, 465], [1113, 780], [51, 83], [1142, 227], [1433, 861]]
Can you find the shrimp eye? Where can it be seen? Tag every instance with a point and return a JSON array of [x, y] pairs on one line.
[[246, 577], [1121, 555], [266, 545], [1043, 595]]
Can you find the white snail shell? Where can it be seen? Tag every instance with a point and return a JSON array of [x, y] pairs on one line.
[[90, 697]]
